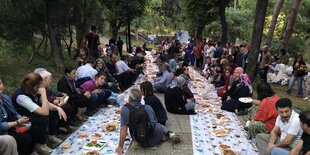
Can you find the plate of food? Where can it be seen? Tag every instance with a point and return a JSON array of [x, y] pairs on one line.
[[109, 127], [229, 152], [245, 99], [83, 134], [224, 146], [92, 153], [219, 133], [225, 119], [219, 116], [95, 145], [65, 146], [96, 136], [117, 110]]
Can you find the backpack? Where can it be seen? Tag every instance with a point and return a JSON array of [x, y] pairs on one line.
[[140, 127]]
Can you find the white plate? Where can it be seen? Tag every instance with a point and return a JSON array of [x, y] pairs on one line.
[[245, 99], [101, 142]]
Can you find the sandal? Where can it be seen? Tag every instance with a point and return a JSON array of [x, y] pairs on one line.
[[64, 130]]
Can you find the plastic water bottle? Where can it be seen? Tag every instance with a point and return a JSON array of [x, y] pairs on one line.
[[244, 152]]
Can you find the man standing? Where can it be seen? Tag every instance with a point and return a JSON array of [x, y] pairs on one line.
[[264, 63], [287, 123], [152, 139], [120, 47], [93, 41]]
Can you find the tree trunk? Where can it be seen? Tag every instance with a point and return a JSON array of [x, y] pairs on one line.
[[136, 33], [273, 23], [198, 33], [223, 21], [81, 20], [54, 34], [290, 24], [261, 7]]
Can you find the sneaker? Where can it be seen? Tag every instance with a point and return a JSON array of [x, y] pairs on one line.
[[42, 149], [174, 137], [306, 98], [54, 139]]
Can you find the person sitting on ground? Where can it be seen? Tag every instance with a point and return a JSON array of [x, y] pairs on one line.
[[303, 146], [158, 131], [175, 100], [241, 87], [125, 75], [228, 79], [99, 95], [8, 145], [218, 78], [10, 120], [162, 82], [77, 99], [283, 57], [86, 71], [151, 100], [82, 56], [63, 109], [30, 100], [287, 123], [266, 115], [111, 82]]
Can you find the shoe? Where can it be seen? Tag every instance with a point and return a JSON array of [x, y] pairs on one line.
[[74, 122], [54, 139], [64, 130], [81, 118], [42, 149], [306, 98], [135, 145], [174, 137]]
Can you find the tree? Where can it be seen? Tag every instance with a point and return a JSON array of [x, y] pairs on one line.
[[273, 23], [258, 27], [222, 6], [290, 24]]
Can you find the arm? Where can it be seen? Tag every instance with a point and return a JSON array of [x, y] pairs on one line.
[[273, 137], [44, 110], [297, 148], [285, 142]]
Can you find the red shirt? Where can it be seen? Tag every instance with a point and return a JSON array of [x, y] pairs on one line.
[[267, 112]]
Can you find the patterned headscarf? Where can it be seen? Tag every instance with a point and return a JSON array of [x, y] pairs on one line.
[[178, 82], [245, 81]]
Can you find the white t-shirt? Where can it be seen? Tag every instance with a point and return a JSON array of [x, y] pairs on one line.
[[26, 102], [210, 51], [86, 71], [291, 127], [121, 66]]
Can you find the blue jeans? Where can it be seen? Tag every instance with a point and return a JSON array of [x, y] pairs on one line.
[[279, 151], [160, 88], [299, 84]]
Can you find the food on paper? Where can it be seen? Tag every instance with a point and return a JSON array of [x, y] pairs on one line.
[[83, 134], [224, 146], [219, 116], [215, 110], [96, 135], [115, 118], [219, 133], [228, 127], [229, 152], [94, 145], [92, 153], [245, 99], [109, 106], [205, 105], [200, 110], [199, 86], [65, 146], [225, 119], [109, 127], [117, 111]]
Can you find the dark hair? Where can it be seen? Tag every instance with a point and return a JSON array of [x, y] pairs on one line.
[[264, 90], [99, 74], [29, 83], [69, 69], [91, 60], [179, 71], [146, 88], [304, 117], [283, 103], [93, 28]]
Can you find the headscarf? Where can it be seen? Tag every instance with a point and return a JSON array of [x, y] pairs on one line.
[[228, 68], [240, 70], [178, 82], [245, 81]]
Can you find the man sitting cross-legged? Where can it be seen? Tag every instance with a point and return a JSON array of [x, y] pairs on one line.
[[287, 123], [142, 123]]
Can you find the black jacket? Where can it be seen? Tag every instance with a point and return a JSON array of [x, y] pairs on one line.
[[157, 106]]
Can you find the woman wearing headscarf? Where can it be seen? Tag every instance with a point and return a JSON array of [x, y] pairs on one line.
[[241, 87], [175, 100], [228, 79]]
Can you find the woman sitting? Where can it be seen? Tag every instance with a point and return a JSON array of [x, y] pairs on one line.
[[10, 120], [111, 82], [151, 100], [30, 100], [240, 88], [175, 101], [228, 79], [265, 117]]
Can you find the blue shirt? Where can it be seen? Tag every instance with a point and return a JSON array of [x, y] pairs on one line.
[[4, 127]]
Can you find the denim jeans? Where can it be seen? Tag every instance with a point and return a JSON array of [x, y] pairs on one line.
[[299, 84], [279, 151], [160, 88]]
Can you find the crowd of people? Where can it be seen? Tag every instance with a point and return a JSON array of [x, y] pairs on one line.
[[36, 113]]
